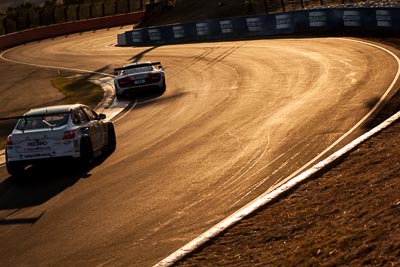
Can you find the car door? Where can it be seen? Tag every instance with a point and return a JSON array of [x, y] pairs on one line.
[[98, 128], [80, 118]]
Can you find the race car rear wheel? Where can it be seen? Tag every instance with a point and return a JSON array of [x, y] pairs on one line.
[[119, 97], [16, 169], [164, 87], [86, 157], [111, 140]]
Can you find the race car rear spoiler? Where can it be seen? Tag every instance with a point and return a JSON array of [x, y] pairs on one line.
[[137, 65]]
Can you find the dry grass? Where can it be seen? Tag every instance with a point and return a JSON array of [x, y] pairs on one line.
[[78, 90]]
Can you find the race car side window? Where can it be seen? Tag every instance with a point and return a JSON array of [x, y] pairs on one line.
[[80, 116], [91, 114]]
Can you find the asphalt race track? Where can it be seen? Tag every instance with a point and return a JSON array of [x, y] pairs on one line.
[[237, 118]]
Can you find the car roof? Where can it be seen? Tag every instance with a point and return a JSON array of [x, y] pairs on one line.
[[52, 109]]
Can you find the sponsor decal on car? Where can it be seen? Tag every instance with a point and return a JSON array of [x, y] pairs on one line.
[[38, 143]]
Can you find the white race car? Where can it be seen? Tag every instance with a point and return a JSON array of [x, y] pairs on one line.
[[73, 131], [140, 77]]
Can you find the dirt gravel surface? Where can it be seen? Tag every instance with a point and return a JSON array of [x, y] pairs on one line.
[[347, 216]]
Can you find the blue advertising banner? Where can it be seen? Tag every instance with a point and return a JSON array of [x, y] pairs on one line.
[[329, 20]]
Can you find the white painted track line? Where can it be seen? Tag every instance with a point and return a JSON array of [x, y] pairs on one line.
[[269, 196], [293, 179], [48, 66], [377, 105]]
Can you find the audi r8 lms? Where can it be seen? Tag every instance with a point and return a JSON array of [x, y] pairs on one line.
[[65, 131], [139, 77]]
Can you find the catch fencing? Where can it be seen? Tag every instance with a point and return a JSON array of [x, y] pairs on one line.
[[22, 37], [273, 6], [19, 19]]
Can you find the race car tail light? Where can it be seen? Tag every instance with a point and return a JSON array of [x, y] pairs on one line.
[[153, 77], [124, 82], [69, 134]]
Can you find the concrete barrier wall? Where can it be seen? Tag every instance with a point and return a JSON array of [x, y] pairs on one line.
[[30, 35], [347, 20]]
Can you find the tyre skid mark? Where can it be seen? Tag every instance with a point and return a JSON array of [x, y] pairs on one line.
[[295, 178]]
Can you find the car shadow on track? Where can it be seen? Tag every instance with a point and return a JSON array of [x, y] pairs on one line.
[[38, 185], [142, 102], [41, 183], [153, 98], [139, 56]]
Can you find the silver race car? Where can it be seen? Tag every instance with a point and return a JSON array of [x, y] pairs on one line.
[[65, 131], [138, 78]]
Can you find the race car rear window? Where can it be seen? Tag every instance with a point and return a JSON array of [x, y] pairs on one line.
[[42, 122], [138, 69]]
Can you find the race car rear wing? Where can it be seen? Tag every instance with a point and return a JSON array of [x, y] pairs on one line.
[[137, 65]]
